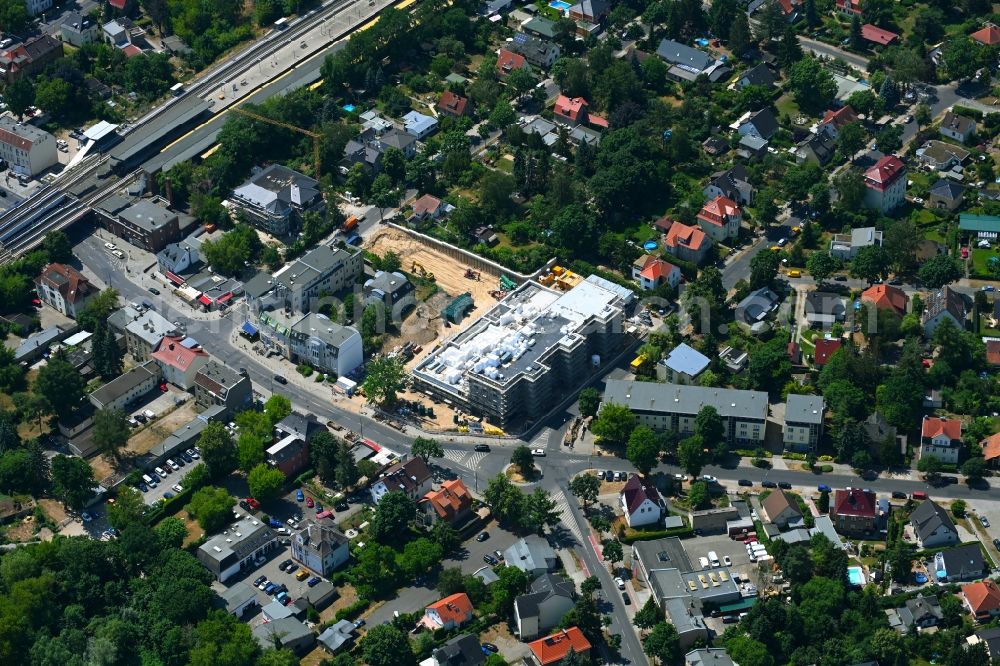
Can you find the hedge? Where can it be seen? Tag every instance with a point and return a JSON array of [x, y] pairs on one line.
[[305, 477], [354, 610], [681, 532], [169, 506]]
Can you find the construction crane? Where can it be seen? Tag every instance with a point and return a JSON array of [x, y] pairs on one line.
[[313, 135]]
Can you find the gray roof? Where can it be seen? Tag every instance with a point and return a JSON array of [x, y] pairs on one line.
[[945, 299], [542, 588], [390, 283], [960, 124], [418, 123], [765, 122], [760, 75], [541, 26], [753, 142], [277, 188], [757, 304], [662, 554], [241, 539], [929, 517], [676, 398], [122, 384], [804, 408], [312, 265], [947, 189], [150, 326], [532, 553], [963, 561], [147, 215], [323, 328], [462, 650], [687, 57], [708, 657], [686, 359], [258, 285], [825, 303], [43, 338], [919, 610], [337, 635], [122, 317], [287, 630], [235, 596], [992, 639], [395, 138], [684, 618]]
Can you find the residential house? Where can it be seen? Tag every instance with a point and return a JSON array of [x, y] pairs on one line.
[[285, 633], [508, 61], [886, 297], [539, 26], [991, 450], [686, 243], [590, 11], [794, 353], [782, 509], [392, 291], [933, 399], [932, 526], [429, 207], [946, 303], [419, 124], [538, 52], [64, 289], [116, 34], [368, 147], [532, 554], [760, 123], [733, 183], [941, 155], [451, 504], [757, 305], [758, 75], [946, 195], [276, 198], [878, 36], [682, 365], [29, 57], [78, 30], [803, 427], [982, 599], [960, 563], [462, 650], [574, 111], [854, 512], [321, 548], [542, 608], [553, 648], [218, 384], [959, 128], [652, 272], [751, 147], [144, 333], [449, 613], [290, 451], [237, 547], [885, 184], [313, 339], [715, 146], [322, 270], [338, 636], [824, 350], [177, 258], [688, 63], [36, 7], [850, 7], [641, 502], [413, 478], [126, 388], [720, 218], [834, 121], [991, 637], [452, 104], [493, 7], [918, 613], [846, 246], [28, 150], [708, 657], [180, 359], [145, 223], [817, 149], [988, 36], [824, 309], [878, 430], [941, 438]]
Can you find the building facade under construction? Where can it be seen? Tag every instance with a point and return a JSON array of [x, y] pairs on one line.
[[526, 353]]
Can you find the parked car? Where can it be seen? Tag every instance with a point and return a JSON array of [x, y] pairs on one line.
[[745, 482], [898, 494], [709, 478], [183, 455], [254, 504], [160, 472], [172, 464], [620, 583], [823, 488], [194, 454], [280, 379], [86, 517], [314, 581], [538, 453], [681, 477], [310, 503], [985, 521], [284, 565], [259, 580], [490, 647], [264, 582], [627, 600], [996, 543], [270, 588], [274, 522], [292, 568], [482, 447], [490, 560], [299, 495], [177, 488], [768, 483], [340, 506], [726, 560], [483, 536], [302, 575], [784, 485]]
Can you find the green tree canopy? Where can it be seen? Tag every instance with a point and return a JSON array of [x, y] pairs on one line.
[[265, 483], [614, 424], [212, 507]]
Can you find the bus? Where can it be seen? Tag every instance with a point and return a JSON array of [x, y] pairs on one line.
[[281, 23], [177, 89]]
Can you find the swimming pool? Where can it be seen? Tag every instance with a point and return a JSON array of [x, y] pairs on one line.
[[649, 246], [561, 5], [856, 576], [349, 108]]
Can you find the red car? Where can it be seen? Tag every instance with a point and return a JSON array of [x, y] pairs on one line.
[[309, 502], [254, 504]]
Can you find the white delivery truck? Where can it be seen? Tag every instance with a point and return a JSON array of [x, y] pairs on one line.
[[713, 558]]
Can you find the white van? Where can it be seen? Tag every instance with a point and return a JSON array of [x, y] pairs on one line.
[[148, 479], [713, 558], [703, 561]]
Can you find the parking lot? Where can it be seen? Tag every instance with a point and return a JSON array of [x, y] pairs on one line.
[[723, 546], [173, 477]]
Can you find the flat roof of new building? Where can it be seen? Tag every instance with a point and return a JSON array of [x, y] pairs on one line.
[[678, 398], [662, 554], [515, 336], [804, 408]]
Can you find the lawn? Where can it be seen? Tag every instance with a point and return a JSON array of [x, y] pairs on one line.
[[787, 105], [981, 259]]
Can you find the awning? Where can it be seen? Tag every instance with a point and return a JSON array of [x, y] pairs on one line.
[[225, 297], [249, 328], [204, 300], [371, 445], [176, 279]]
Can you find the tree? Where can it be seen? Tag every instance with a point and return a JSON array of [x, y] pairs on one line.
[[129, 508], [850, 188], [385, 645], [250, 451], [851, 139], [769, 368], [871, 263], [699, 495], [647, 616], [511, 582], [237, 249], [614, 424], [789, 50], [585, 487], [539, 511], [824, 501], [504, 499], [265, 483], [383, 195], [613, 552], [822, 265], [590, 401], [72, 481], [385, 378], [856, 37], [522, 458], [19, 96], [392, 518], [427, 448], [277, 408], [107, 355], [212, 507], [745, 650], [691, 455], [962, 57], [111, 431], [930, 466], [663, 644], [958, 508], [740, 39], [974, 468], [60, 384], [218, 451], [922, 114], [812, 85], [643, 449], [939, 271], [763, 269]]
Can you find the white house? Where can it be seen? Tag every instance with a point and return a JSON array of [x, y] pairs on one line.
[[543, 607], [651, 272], [641, 502], [932, 526], [412, 478], [941, 438]]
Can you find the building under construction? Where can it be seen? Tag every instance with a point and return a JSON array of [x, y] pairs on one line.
[[527, 352]]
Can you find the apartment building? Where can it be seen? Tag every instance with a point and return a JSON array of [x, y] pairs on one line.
[[217, 384], [320, 548], [29, 57], [27, 149], [846, 246], [145, 223], [64, 289], [313, 339], [885, 184], [941, 438], [720, 218], [322, 270], [276, 198], [803, 422]]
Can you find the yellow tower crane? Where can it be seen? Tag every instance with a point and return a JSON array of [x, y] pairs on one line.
[[313, 135]]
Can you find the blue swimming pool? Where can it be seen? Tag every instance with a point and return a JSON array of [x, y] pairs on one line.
[[561, 5], [856, 576], [349, 108], [649, 246]]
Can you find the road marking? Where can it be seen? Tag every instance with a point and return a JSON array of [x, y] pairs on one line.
[[473, 459], [455, 455], [568, 519]]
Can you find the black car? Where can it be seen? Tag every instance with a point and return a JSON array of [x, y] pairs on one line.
[[898, 494], [784, 485], [840, 278], [280, 379], [186, 457], [244, 505], [154, 291], [340, 506], [490, 560], [626, 599], [284, 565], [769, 484], [483, 536], [996, 543], [745, 482], [948, 480], [489, 647], [482, 447]]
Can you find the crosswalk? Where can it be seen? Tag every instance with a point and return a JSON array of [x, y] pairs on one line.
[[464, 457], [568, 520], [455, 455]]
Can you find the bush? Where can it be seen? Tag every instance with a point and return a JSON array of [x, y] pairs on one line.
[[354, 610], [305, 477], [826, 469], [681, 532], [794, 456]]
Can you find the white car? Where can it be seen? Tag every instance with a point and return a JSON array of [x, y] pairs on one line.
[[160, 472], [681, 477], [177, 488], [709, 478], [917, 200], [620, 583], [782, 242], [172, 465], [192, 453], [118, 253], [110, 246], [727, 560], [538, 453]]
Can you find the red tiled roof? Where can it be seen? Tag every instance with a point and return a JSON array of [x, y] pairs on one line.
[[574, 108], [67, 281], [718, 209], [508, 61], [886, 296], [638, 490], [171, 352], [555, 647], [597, 121], [654, 268], [451, 500], [989, 35], [794, 352], [787, 6], [993, 352], [452, 103], [117, 4], [885, 171], [131, 50], [933, 426], [683, 235], [991, 446], [842, 116], [854, 502], [983, 596], [426, 204], [456, 608], [877, 35], [663, 224], [825, 348]]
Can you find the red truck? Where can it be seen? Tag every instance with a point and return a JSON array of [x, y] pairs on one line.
[[349, 224]]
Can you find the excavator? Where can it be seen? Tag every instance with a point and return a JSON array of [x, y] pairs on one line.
[[418, 269]]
